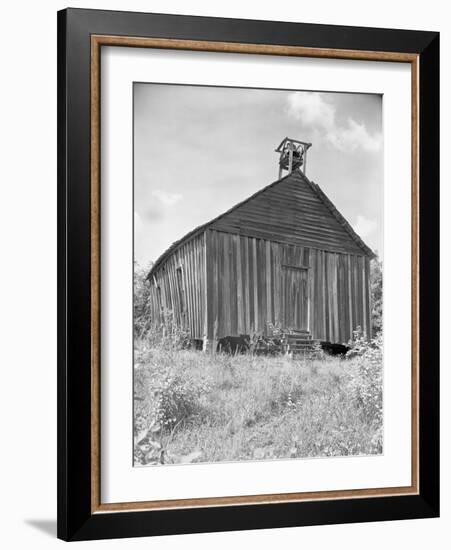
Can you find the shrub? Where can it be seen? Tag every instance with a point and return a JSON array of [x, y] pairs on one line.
[[366, 381], [318, 352], [271, 343], [165, 397], [168, 335], [141, 305], [376, 286], [358, 344]]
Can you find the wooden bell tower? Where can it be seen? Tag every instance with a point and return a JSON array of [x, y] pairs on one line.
[[292, 155]]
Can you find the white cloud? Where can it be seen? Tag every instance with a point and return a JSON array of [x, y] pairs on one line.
[[311, 109], [168, 199], [355, 136], [364, 226], [315, 112]]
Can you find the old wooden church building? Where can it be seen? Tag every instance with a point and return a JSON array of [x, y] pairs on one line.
[[284, 256]]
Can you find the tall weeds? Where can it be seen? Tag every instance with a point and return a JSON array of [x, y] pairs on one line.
[[200, 407]]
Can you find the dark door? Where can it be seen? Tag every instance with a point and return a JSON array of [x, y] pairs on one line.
[[296, 298]]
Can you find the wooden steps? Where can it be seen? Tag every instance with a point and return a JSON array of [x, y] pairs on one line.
[[299, 342]]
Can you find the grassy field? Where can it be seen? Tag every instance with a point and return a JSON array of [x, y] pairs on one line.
[[192, 406]]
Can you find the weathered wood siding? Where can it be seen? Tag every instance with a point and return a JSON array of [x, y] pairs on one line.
[[290, 211], [178, 287], [246, 287]]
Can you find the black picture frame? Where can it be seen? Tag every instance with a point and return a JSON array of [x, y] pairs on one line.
[[76, 521]]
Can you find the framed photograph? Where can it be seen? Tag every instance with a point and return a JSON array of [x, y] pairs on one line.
[[248, 274]]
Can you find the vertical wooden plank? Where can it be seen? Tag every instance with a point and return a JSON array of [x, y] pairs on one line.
[[220, 274], [189, 300], [330, 293], [329, 289], [368, 293], [197, 287], [157, 283], [153, 294], [319, 285], [268, 290], [318, 297], [164, 292], [348, 268], [216, 278], [339, 319], [247, 284], [168, 284], [201, 285], [326, 295], [168, 271], [157, 301], [341, 298], [335, 296], [364, 296], [261, 259], [198, 331], [345, 297], [192, 266], [176, 305], [226, 287], [189, 264], [359, 292], [152, 304], [179, 261], [287, 254], [207, 294], [251, 286], [308, 259], [298, 255], [313, 302], [155, 308], [283, 319], [276, 281], [355, 293], [239, 283], [233, 286], [168, 291], [255, 277], [214, 288]]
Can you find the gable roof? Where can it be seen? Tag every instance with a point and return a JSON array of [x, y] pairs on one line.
[[227, 220]]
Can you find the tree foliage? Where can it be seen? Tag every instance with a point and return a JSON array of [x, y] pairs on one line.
[[141, 304], [376, 295]]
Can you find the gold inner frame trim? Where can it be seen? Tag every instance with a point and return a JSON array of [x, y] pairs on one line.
[[97, 41]]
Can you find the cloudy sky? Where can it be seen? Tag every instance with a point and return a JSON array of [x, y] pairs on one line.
[[200, 150]]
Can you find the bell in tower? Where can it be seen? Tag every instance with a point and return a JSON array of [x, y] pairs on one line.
[[292, 155]]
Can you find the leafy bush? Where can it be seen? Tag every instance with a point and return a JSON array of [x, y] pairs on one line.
[[317, 352], [165, 393], [358, 344], [141, 304], [376, 295], [365, 385], [168, 335], [271, 343]]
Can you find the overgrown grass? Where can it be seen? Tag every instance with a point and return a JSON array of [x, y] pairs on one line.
[[192, 406]]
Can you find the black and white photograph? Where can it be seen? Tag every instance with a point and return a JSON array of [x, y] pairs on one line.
[[258, 252], [225, 275]]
